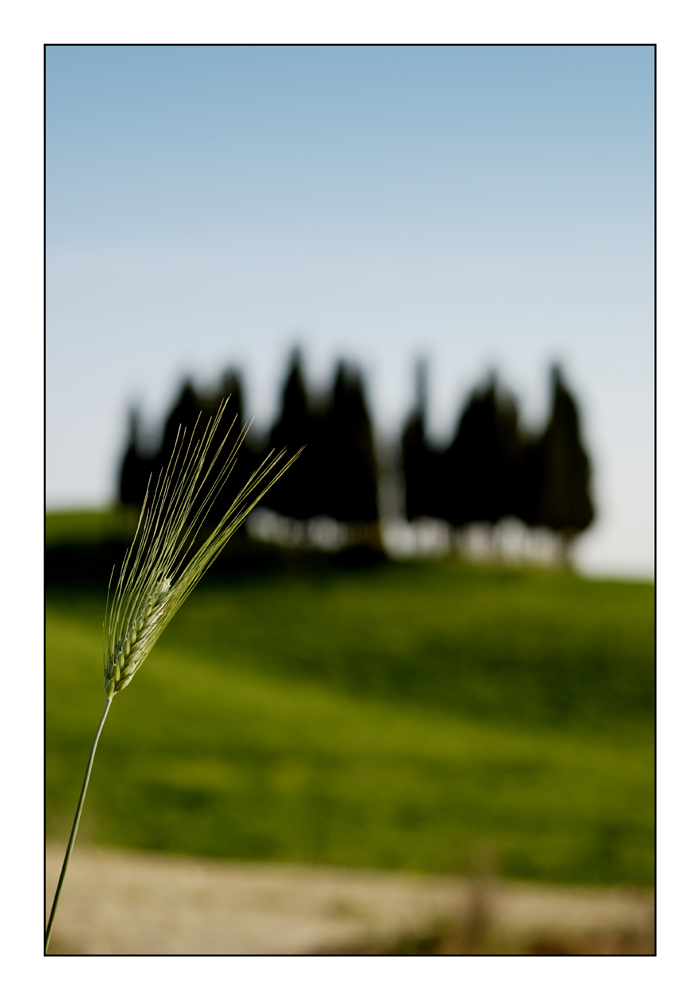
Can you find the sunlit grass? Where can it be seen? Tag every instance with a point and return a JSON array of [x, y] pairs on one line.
[[287, 718]]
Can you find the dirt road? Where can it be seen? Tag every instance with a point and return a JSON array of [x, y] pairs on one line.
[[117, 903]]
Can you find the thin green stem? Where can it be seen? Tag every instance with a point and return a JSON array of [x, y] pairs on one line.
[[74, 831]]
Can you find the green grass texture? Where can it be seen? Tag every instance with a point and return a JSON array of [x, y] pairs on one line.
[[90, 526], [414, 717]]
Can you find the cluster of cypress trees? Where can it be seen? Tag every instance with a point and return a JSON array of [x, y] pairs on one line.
[[492, 469], [336, 475], [139, 462]]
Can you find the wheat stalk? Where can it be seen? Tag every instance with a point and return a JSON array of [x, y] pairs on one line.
[[160, 570]]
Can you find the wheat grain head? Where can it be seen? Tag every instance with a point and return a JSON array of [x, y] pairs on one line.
[[160, 570]]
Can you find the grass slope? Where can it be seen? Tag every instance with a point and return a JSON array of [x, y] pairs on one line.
[[517, 646], [410, 717]]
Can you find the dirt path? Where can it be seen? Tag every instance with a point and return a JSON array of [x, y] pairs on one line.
[[141, 904]]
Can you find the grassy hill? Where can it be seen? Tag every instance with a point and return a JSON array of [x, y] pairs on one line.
[[417, 716]]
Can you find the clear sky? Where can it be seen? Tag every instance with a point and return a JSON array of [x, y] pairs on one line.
[[480, 206]]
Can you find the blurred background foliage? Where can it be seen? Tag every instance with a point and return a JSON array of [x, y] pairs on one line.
[[493, 468], [329, 704]]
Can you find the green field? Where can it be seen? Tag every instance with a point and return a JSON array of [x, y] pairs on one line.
[[417, 716]]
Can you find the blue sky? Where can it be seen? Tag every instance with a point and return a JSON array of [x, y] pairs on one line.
[[481, 206]]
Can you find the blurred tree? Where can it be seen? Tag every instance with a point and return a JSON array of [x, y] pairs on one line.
[[528, 485], [565, 504], [232, 389], [191, 412], [510, 451], [184, 413], [423, 467], [233, 425], [135, 467], [349, 463], [299, 494], [484, 459]]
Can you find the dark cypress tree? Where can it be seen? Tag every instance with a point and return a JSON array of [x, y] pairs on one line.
[[232, 424], [420, 462], [565, 504], [255, 446], [184, 414], [135, 467], [297, 494], [191, 412], [528, 480], [232, 389], [483, 459], [510, 453], [349, 461]]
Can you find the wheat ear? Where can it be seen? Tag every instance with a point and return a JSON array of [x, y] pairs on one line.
[[160, 570]]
